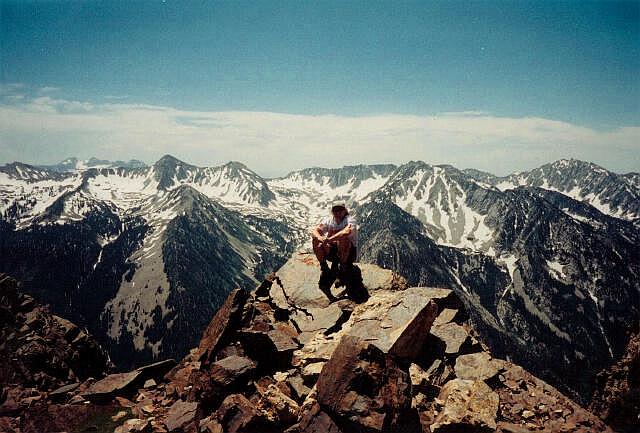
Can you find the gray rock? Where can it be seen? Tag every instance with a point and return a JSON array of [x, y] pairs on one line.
[[157, 370], [181, 414], [300, 390], [299, 282], [397, 323], [228, 370], [318, 319], [477, 366], [62, 393], [453, 335], [445, 316], [467, 404], [113, 385]]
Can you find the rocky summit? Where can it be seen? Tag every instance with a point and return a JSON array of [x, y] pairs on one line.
[[383, 357]]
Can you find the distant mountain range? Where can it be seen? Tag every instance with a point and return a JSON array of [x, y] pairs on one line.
[[73, 164], [546, 261]]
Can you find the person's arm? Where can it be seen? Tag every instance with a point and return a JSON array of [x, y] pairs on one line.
[[342, 233], [317, 233]]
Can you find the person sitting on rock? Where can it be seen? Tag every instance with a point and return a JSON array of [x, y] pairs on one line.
[[335, 239]]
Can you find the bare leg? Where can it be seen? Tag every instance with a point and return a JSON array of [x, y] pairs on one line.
[[344, 249], [321, 251]]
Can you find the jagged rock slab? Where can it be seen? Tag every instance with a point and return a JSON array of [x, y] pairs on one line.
[[364, 385], [274, 347], [315, 420], [113, 385], [397, 323], [180, 415], [228, 370], [158, 369], [62, 393], [227, 317], [237, 414], [298, 283]]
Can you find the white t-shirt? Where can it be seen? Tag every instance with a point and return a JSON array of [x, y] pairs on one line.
[[329, 226]]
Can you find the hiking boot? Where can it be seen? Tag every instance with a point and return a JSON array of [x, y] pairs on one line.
[[323, 266]]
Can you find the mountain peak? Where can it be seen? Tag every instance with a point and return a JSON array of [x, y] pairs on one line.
[[236, 165], [169, 169], [169, 160]]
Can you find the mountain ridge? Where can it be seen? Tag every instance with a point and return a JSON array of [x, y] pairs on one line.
[[127, 230]]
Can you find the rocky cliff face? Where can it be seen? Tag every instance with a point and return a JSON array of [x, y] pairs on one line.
[[283, 358], [617, 396], [41, 353]]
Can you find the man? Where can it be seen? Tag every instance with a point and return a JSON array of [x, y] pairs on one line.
[[336, 239]]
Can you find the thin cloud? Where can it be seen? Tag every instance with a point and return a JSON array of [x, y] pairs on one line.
[[275, 143], [48, 89]]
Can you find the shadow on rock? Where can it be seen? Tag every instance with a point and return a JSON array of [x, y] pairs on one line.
[[349, 277]]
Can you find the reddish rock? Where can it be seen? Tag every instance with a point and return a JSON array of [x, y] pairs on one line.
[[157, 370], [364, 385], [237, 414], [221, 327], [182, 416], [272, 350], [617, 397], [224, 376], [398, 323], [315, 421]]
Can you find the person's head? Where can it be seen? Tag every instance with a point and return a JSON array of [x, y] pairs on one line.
[[339, 211]]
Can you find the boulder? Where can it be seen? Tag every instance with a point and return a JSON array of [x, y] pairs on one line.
[[315, 420], [397, 323], [181, 414], [298, 285], [113, 385], [134, 425], [446, 315], [278, 407], [300, 390], [157, 370], [453, 335], [237, 414], [271, 349], [311, 371], [69, 330], [376, 278], [221, 327], [364, 385], [477, 366], [466, 405], [62, 393], [228, 370], [210, 385], [318, 319]]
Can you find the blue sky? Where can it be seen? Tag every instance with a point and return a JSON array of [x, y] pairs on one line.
[[572, 66]]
